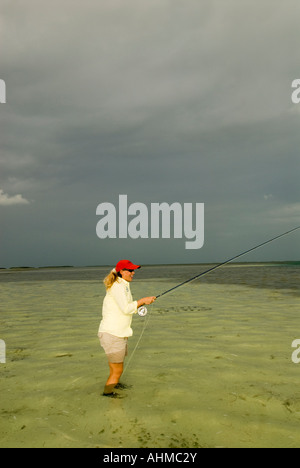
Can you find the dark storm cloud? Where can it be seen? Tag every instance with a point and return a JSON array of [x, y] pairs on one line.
[[160, 100]]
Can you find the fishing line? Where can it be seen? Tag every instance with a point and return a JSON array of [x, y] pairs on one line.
[[146, 322], [142, 311]]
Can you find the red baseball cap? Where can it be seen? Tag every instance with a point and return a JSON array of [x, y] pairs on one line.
[[126, 265]]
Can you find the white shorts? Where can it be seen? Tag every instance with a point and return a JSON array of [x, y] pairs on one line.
[[115, 348]]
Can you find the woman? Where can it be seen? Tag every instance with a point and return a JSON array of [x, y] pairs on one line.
[[115, 327]]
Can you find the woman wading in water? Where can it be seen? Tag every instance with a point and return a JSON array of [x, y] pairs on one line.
[[115, 327]]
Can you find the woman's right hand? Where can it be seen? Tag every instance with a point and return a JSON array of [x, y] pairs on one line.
[[150, 300], [146, 301]]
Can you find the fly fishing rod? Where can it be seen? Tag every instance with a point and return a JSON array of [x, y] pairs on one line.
[[142, 311], [227, 261]]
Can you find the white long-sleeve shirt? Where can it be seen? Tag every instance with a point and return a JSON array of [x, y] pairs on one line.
[[118, 309]]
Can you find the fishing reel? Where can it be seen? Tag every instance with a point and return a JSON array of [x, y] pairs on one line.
[[142, 311]]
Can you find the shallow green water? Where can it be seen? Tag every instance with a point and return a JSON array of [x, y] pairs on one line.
[[213, 368]]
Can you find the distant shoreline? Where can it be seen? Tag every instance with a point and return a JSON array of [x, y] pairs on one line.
[[56, 267]]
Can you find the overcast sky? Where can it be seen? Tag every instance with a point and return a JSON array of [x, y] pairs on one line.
[[162, 100]]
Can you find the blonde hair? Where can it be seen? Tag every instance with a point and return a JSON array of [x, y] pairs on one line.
[[110, 279]]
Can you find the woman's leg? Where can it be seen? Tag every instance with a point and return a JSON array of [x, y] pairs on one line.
[[116, 371]]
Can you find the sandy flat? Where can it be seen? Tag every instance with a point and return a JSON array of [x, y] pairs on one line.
[[213, 368]]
